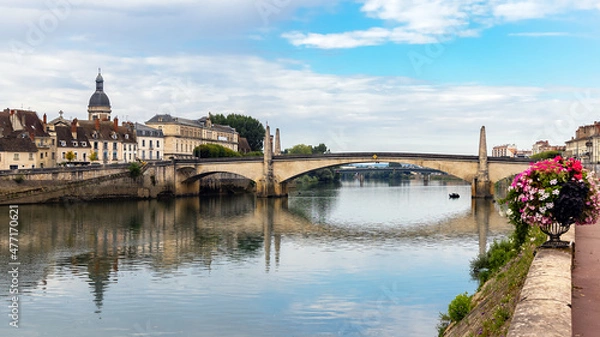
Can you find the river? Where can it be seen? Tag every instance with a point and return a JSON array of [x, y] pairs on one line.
[[351, 260]]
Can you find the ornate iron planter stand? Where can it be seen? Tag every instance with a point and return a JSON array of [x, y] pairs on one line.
[[554, 231]]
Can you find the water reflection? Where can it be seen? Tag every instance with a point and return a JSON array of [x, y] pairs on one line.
[[310, 264]]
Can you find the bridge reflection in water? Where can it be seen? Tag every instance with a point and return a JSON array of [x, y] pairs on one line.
[[96, 240]]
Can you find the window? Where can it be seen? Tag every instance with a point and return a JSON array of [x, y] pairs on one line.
[[150, 143], [52, 155], [143, 154], [41, 156], [113, 135], [105, 146], [52, 142], [75, 155], [95, 135], [63, 143], [64, 156], [83, 143], [84, 156], [114, 146], [114, 155], [95, 145], [126, 136], [16, 156], [157, 144], [157, 155], [143, 142], [74, 143], [149, 154]]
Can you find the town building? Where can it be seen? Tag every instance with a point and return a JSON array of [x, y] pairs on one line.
[[182, 135], [150, 142], [544, 146], [17, 127], [18, 153], [585, 146], [506, 150], [97, 139], [99, 105]]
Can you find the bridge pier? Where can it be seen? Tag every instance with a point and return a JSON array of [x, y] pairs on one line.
[[268, 186], [481, 187]]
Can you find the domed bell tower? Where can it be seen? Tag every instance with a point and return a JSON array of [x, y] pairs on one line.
[[99, 107]]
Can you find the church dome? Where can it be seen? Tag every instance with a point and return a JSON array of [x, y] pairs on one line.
[[99, 98]]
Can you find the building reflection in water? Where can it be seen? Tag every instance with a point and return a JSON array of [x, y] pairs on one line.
[[94, 241]]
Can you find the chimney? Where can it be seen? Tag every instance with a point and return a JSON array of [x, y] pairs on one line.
[[97, 124], [116, 124], [32, 136], [74, 128], [44, 123]]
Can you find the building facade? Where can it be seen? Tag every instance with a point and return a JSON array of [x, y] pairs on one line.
[[544, 146], [182, 135], [585, 146], [150, 142], [21, 126], [506, 150]]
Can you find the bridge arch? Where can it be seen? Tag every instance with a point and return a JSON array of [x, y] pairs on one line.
[[289, 169]]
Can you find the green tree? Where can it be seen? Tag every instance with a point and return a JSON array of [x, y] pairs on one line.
[[93, 155], [320, 149], [70, 156], [248, 127], [546, 155], [214, 151], [300, 149]]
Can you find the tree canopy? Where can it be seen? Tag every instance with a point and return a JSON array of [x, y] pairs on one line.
[[307, 149], [214, 151], [248, 127]]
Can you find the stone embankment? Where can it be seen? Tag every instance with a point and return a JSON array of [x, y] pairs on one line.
[[530, 297], [544, 307]]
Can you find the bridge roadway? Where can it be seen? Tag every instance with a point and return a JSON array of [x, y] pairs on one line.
[[272, 173]]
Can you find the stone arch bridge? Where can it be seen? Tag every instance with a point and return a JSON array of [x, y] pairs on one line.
[[272, 172]]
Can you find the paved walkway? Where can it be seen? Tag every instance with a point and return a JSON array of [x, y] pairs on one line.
[[586, 282]]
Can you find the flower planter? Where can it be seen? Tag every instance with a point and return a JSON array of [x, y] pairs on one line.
[[554, 231]]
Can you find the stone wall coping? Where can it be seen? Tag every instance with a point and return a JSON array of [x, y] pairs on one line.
[[544, 307]]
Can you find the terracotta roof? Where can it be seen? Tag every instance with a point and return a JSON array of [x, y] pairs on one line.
[[17, 145]]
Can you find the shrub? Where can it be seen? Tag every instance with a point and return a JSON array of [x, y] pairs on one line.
[[135, 170], [459, 307]]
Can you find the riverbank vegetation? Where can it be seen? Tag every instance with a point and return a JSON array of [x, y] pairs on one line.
[[501, 273]]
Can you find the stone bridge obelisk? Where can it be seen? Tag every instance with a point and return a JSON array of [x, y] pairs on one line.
[[482, 186], [268, 186]]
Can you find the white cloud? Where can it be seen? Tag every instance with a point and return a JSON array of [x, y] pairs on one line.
[[348, 113], [539, 34], [430, 21]]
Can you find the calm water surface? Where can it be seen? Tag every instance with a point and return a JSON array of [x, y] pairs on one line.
[[375, 260]]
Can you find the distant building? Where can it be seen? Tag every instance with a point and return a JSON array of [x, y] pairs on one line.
[[150, 142], [182, 135], [506, 150], [21, 126], [99, 105], [18, 153], [97, 138], [585, 146], [543, 146]]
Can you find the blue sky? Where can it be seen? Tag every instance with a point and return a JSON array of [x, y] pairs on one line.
[[364, 75]]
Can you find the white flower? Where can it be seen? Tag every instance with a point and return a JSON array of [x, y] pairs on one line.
[[553, 182], [550, 205], [542, 209], [556, 192], [509, 212]]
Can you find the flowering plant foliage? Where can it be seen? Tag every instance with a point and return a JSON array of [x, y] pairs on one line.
[[554, 191]]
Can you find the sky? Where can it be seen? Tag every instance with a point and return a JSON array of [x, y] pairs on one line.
[[361, 75]]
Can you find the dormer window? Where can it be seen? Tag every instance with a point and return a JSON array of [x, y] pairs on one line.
[[74, 143], [126, 136], [113, 135], [63, 143], [83, 143], [95, 135]]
